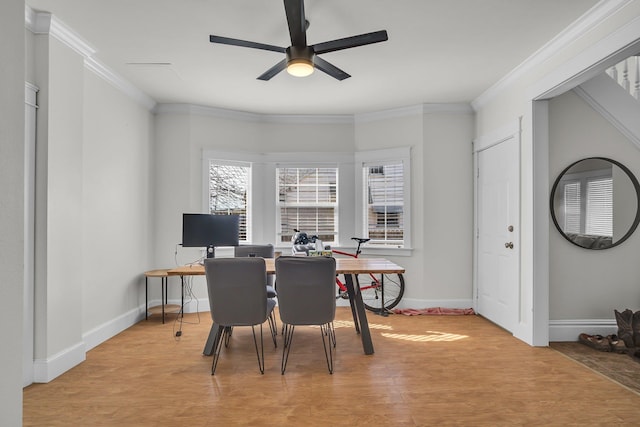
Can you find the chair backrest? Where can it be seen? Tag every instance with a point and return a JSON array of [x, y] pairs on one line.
[[237, 294], [263, 251], [306, 289]]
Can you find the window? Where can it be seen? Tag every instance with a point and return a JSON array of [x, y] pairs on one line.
[[229, 188], [385, 193], [600, 207], [308, 201], [384, 184], [591, 194], [572, 207]]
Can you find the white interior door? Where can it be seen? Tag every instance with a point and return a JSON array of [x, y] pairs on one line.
[[498, 231]]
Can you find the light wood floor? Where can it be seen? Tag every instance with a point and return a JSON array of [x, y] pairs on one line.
[[427, 370]]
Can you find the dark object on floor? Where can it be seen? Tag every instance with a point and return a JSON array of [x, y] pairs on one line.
[[617, 345], [597, 342], [625, 329], [629, 331]]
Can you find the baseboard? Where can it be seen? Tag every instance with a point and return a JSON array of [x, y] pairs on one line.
[[100, 334], [569, 330], [45, 370]]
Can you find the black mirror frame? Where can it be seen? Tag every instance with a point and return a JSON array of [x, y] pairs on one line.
[[636, 186]]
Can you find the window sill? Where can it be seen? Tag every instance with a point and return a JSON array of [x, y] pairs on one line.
[[371, 251]]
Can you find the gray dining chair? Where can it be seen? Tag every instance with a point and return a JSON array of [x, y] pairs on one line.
[[307, 296], [262, 251], [238, 297]]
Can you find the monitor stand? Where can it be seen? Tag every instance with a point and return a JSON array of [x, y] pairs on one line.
[[211, 251]]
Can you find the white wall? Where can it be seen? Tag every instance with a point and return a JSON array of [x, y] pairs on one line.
[[447, 206], [562, 65], [589, 284], [183, 132], [439, 269], [94, 202], [117, 204], [58, 284], [12, 210]]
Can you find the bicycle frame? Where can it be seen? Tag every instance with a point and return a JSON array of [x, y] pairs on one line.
[[343, 288]]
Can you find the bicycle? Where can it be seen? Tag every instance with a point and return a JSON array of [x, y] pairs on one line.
[[380, 292]]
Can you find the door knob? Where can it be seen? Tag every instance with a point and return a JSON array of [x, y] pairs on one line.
[[508, 245]]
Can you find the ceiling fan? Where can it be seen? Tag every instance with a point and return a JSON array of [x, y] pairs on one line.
[[301, 59]]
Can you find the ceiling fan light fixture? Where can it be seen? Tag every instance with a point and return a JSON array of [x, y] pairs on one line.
[[300, 67]]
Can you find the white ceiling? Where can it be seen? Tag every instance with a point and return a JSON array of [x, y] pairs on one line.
[[439, 51]]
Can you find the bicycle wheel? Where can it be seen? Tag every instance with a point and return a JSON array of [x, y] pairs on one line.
[[372, 290]]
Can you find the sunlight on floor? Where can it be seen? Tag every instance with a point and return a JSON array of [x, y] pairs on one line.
[[433, 336]]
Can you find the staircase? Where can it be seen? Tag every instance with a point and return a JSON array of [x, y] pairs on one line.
[[616, 95], [621, 71]]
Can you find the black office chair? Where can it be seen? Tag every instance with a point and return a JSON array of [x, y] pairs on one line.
[[306, 296], [262, 251], [238, 297]]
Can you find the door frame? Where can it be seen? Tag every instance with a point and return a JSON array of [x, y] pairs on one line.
[[28, 354], [592, 61], [508, 132]]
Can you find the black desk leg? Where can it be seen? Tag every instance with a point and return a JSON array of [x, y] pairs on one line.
[[367, 344], [352, 301], [163, 298], [146, 298]]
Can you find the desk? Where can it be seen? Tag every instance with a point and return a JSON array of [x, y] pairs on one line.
[[346, 266]]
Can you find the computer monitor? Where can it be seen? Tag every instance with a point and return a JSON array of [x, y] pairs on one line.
[[207, 230]]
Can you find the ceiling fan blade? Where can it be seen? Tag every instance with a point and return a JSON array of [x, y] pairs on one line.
[[349, 42], [330, 69], [267, 75], [296, 20], [245, 43]]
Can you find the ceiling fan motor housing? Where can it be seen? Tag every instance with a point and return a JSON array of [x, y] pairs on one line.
[[300, 54], [300, 60]]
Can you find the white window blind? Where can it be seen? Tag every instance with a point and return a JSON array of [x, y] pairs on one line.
[[229, 188], [588, 204], [308, 201], [599, 219], [384, 186], [572, 206]]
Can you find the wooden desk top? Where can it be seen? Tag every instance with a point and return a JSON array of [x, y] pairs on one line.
[[343, 266], [157, 273]]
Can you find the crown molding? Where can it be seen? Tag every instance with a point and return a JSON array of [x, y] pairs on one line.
[[447, 108], [413, 110], [591, 19], [125, 86], [391, 113], [253, 117], [47, 24]]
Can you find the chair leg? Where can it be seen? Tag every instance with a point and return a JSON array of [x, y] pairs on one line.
[[333, 334], [287, 333], [273, 328], [229, 331], [260, 353], [275, 323], [328, 344], [217, 348]]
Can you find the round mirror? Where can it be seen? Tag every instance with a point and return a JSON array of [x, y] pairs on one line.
[[594, 203]]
